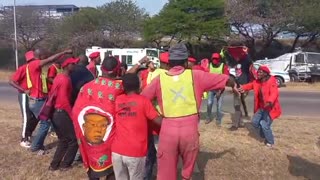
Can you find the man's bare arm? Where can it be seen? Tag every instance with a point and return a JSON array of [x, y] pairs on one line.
[[54, 57]]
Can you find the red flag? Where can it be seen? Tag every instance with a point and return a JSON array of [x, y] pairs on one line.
[[93, 119]]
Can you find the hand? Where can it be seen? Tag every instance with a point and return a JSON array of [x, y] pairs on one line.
[[68, 51], [236, 90], [240, 89], [145, 59], [27, 92], [268, 105]]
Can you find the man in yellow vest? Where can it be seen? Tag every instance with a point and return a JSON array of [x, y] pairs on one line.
[[216, 67], [179, 93], [37, 91]]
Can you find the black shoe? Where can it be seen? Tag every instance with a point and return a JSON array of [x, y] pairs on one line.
[[233, 128], [208, 121], [65, 168], [52, 168]]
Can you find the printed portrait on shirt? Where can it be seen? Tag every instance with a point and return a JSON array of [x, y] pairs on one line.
[[95, 124]]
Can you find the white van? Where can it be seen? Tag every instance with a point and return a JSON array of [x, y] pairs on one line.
[[130, 56]]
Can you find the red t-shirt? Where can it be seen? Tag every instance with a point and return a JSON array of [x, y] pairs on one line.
[[143, 77], [20, 77], [92, 68], [35, 77], [63, 86], [52, 73], [132, 115]]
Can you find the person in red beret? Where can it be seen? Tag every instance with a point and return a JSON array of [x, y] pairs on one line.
[[19, 81], [266, 103], [94, 61], [67, 142]]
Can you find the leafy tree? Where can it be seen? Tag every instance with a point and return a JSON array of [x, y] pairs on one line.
[[258, 20], [123, 21], [190, 20]]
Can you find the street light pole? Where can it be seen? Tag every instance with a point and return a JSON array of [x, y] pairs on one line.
[[15, 33]]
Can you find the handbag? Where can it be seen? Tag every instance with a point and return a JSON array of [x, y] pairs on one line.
[[47, 109]]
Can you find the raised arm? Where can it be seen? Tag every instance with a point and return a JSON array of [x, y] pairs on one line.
[[54, 57]]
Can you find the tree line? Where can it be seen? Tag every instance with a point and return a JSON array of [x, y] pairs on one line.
[[122, 23]]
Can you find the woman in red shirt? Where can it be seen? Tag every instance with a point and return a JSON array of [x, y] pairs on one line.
[[61, 121]]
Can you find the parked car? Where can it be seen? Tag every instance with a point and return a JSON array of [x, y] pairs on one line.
[[281, 76]]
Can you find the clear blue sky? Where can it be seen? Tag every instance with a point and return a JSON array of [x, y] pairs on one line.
[[151, 6]]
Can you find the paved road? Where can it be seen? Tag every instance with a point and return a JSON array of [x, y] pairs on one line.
[[293, 103]]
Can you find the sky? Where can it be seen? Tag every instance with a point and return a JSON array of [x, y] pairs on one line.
[[151, 6]]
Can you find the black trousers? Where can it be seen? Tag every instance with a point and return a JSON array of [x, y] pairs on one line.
[[67, 141], [29, 121]]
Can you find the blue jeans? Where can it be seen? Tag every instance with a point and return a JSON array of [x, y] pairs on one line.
[[35, 106], [211, 97], [262, 121]]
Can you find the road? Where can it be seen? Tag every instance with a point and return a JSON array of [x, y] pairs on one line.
[[293, 103]]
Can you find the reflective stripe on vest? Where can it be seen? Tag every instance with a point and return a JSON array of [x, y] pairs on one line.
[[178, 97], [29, 83], [216, 70], [44, 74], [59, 70]]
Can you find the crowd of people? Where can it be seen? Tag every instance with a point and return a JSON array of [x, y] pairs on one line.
[[122, 122]]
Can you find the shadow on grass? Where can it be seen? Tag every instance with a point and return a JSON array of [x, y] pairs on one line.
[[52, 145], [203, 159], [302, 167], [253, 132]]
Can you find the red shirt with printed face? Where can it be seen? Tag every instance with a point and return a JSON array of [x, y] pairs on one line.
[[20, 77], [132, 115]]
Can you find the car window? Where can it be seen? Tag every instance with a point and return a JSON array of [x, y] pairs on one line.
[[300, 58]]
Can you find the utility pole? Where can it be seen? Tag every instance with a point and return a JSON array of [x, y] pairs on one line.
[[15, 33]]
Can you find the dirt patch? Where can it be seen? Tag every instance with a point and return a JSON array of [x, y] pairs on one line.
[[224, 155]]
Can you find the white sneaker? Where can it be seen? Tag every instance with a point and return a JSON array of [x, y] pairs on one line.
[[25, 144], [269, 145]]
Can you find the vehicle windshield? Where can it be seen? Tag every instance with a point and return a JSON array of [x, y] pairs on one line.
[[152, 53], [314, 58]]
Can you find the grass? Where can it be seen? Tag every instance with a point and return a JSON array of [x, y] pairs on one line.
[[302, 86], [224, 155], [5, 75]]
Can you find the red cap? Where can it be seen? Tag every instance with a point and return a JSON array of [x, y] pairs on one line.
[[29, 56], [265, 69], [192, 60], [164, 57], [70, 61], [94, 55], [215, 58]]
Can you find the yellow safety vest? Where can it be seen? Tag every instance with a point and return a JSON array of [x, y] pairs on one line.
[[156, 73], [216, 70], [178, 96], [59, 70], [44, 74]]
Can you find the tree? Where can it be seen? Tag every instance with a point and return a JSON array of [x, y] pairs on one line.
[[190, 20], [123, 21], [259, 20], [305, 16], [32, 27]]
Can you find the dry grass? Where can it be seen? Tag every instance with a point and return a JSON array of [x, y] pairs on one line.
[[302, 86], [5, 75], [224, 155]]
